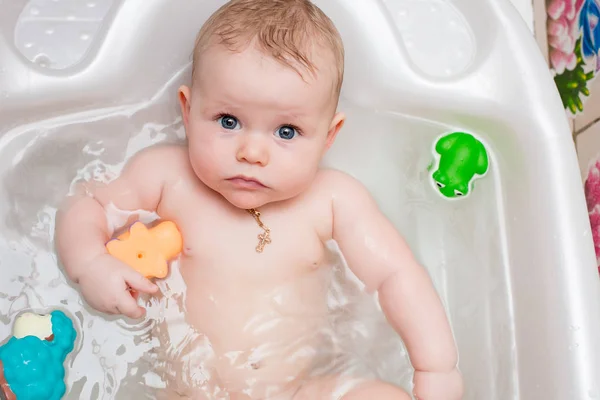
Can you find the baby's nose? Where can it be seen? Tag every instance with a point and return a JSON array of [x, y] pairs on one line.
[[253, 149]]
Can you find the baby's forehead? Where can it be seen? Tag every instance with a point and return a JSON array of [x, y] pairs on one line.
[[251, 66], [313, 55]]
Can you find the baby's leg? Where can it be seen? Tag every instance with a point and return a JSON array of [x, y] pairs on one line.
[[196, 394], [177, 396], [183, 359], [340, 388], [376, 390]]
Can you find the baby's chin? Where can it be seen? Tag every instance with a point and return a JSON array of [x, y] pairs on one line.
[[247, 199]]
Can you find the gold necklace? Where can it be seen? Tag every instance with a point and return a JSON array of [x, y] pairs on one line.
[[263, 238]]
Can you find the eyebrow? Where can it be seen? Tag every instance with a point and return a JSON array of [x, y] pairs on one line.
[[221, 103], [292, 115], [209, 104]]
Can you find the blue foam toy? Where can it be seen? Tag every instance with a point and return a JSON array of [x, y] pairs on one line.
[[33, 367]]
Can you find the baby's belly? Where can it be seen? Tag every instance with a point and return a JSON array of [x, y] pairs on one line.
[[265, 334]]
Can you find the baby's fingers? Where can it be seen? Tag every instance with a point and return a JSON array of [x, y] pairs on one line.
[[136, 281], [129, 307]]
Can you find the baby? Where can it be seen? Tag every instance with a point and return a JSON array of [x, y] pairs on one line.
[[255, 212]]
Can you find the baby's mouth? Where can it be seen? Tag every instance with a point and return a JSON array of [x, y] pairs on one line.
[[244, 182]]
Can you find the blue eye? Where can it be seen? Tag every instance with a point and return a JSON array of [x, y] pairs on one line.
[[286, 132], [229, 122]]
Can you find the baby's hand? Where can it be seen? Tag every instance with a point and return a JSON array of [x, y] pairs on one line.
[[110, 286], [438, 385]]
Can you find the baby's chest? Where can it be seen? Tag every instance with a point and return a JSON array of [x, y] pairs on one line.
[[280, 247], [216, 235], [251, 242]]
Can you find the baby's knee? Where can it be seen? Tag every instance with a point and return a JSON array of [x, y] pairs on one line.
[[338, 388], [376, 390]]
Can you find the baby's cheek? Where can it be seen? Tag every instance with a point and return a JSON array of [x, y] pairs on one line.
[[204, 153], [203, 164], [298, 177]]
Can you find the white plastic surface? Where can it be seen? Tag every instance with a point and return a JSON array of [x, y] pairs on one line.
[[525, 8], [57, 34], [514, 261]]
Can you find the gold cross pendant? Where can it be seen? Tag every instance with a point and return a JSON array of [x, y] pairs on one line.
[[263, 240]]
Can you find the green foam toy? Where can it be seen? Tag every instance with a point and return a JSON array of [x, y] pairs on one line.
[[460, 159]]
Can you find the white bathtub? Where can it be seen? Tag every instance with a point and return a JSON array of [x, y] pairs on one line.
[[84, 84]]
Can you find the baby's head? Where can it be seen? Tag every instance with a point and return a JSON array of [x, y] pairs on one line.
[[261, 110]]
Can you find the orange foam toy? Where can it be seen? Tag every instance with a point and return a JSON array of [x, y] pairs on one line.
[[148, 251]]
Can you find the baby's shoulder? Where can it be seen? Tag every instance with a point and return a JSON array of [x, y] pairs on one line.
[[330, 190], [161, 154], [158, 166], [161, 159], [335, 183]]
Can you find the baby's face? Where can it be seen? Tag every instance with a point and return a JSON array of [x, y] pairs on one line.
[[256, 129]]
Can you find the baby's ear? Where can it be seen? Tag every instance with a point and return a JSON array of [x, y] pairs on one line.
[[184, 101], [336, 124]]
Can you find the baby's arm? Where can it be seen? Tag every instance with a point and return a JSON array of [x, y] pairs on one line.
[[82, 231], [380, 258]]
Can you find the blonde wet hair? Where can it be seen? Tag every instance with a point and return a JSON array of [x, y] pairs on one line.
[[287, 30]]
